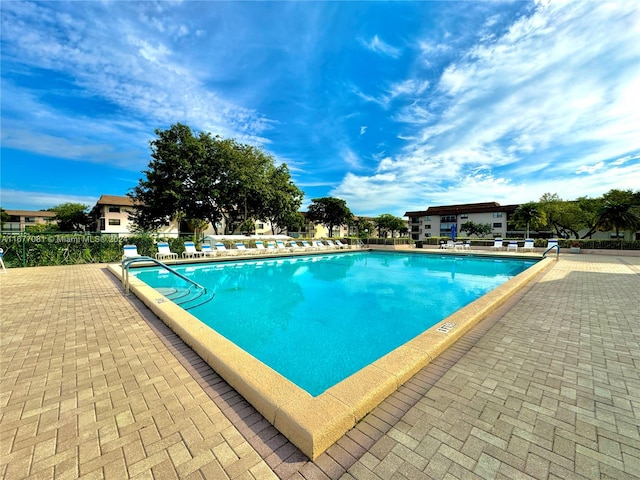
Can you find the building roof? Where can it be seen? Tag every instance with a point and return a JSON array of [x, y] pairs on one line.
[[30, 213], [464, 208], [115, 200]]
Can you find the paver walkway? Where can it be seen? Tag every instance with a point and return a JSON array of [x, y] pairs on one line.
[[94, 386]]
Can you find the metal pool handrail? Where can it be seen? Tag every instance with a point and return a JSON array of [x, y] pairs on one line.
[[127, 262], [557, 247]]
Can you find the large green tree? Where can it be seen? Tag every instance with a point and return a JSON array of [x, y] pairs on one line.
[[199, 176], [477, 229], [529, 215], [330, 212], [71, 217], [388, 223], [619, 211], [364, 227], [281, 201]]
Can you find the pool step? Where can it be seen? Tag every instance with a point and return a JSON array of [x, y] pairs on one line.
[[187, 298]]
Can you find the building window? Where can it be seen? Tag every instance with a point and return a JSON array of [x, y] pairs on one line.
[[414, 228], [448, 219], [259, 226], [497, 225], [29, 219], [114, 209], [415, 219], [427, 218], [427, 227], [497, 214], [464, 215], [114, 221]]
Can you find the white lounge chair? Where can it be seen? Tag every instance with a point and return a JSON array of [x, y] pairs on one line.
[[513, 246], [331, 244], [130, 251], [281, 247], [271, 247], [243, 250], [190, 251], [340, 244], [295, 247], [319, 245], [551, 243], [260, 247], [164, 251], [308, 246], [528, 245], [497, 244], [450, 245], [207, 251], [467, 245], [222, 249]]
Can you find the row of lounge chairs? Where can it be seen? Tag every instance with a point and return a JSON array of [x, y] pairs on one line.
[[512, 246], [220, 249], [499, 244]]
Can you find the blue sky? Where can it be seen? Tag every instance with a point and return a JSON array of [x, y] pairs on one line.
[[389, 106]]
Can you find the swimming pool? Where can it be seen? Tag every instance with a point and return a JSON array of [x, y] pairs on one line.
[[319, 319], [314, 422]]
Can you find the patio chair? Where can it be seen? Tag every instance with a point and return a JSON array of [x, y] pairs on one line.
[[281, 247], [271, 247], [513, 246], [165, 252], [243, 250], [331, 244], [2, 261], [497, 244], [260, 248], [190, 251], [308, 246], [294, 247], [340, 244], [528, 245], [130, 251], [551, 243], [207, 251], [467, 245], [319, 245], [222, 249]]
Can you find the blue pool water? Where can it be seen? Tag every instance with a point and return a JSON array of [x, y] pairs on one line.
[[318, 319]]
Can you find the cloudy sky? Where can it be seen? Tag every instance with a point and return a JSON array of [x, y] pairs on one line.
[[389, 106]]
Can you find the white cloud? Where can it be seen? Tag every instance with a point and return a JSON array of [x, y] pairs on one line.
[[33, 200], [125, 64], [555, 96], [378, 46]]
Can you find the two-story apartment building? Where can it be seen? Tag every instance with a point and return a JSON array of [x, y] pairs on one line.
[[437, 221], [111, 214], [20, 220]]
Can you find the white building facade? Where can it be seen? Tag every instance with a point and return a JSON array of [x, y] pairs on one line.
[[437, 221]]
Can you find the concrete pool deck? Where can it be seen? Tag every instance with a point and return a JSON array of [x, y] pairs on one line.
[[95, 386]]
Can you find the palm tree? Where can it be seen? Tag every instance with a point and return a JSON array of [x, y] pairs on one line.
[[618, 216], [528, 214]]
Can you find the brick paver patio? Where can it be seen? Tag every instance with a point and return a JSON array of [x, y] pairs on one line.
[[94, 386]]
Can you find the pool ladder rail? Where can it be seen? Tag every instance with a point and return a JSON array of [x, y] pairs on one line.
[[556, 246], [180, 297]]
